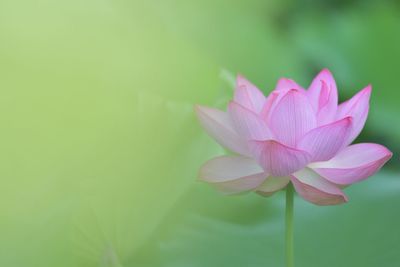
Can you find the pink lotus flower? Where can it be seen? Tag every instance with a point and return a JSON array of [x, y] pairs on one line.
[[293, 135]]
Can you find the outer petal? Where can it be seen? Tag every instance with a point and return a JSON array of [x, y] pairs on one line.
[[248, 95], [219, 126], [324, 142], [354, 163], [316, 189], [273, 184], [323, 91], [232, 174], [247, 123], [278, 159], [292, 117], [357, 107]]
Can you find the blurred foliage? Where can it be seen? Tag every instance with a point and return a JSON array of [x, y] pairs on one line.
[[100, 148], [205, 229]]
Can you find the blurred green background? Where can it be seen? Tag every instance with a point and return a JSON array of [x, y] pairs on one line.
[[100, 148]]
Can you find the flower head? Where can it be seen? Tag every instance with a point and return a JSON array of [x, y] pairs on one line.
[[293, 135]]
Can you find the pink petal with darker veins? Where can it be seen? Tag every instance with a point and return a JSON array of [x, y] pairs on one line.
[[325, 141], [327, 106], [247, 123], [232, 174], [357, 107], [269, 103], [219, 126], [273, 184], [354, 163], [323, 91], [315, 189], [281, 89], [278, 159], [248, 95], [292, 117]]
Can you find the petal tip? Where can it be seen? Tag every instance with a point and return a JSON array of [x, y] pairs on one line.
[[325, 74], [286, 80], [386, 153], [234, 104], [198, 108], [200, 177], [345, 198], [202, 111], [389, 154], [368, 88], [242, 81], [240, 77], [366, 91], [326, 71]]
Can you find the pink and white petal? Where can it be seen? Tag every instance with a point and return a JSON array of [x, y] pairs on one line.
[[232, 174], [315, 90], [292, 117], [285, 84], [247, 123], [353, 164], [273, 184], [315, 189], [219, 126], [356, 107], [278, 159], [325, 141], [248, 95]]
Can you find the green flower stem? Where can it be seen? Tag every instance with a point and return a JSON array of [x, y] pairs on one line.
[[289, 226]]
